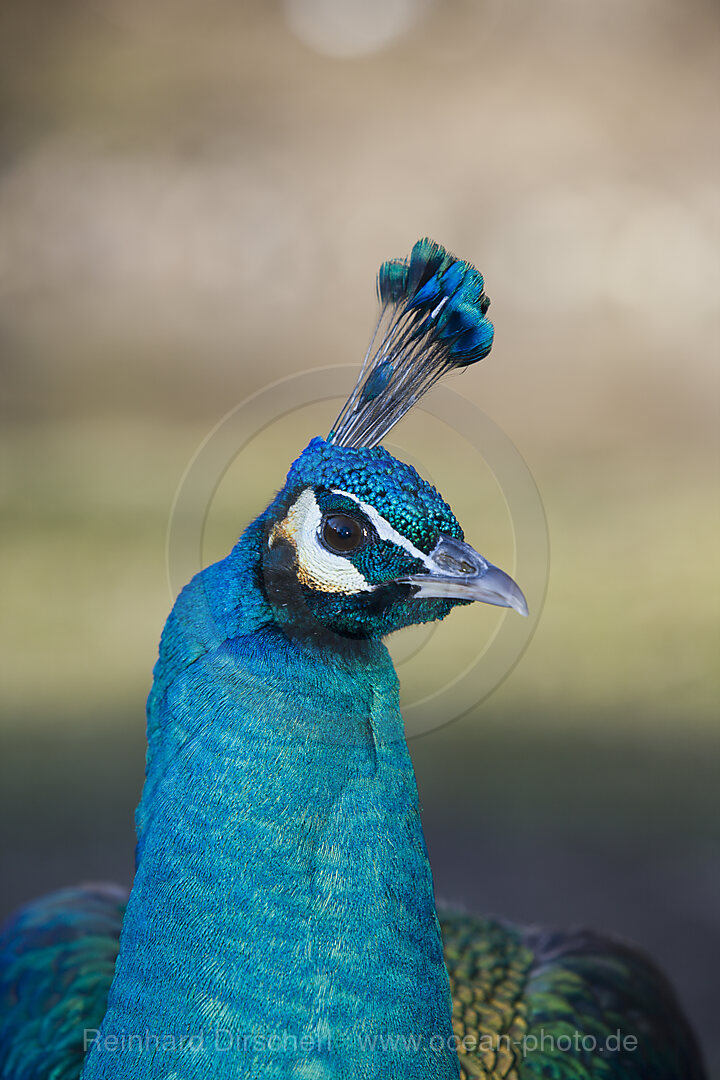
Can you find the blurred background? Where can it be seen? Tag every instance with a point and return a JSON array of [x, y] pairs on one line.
[[194, 201]]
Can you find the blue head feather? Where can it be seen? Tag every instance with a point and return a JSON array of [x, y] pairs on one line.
[[344, 480], [394, 488], [432, 320]]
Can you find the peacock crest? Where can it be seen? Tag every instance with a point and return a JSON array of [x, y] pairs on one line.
[[433, 319]]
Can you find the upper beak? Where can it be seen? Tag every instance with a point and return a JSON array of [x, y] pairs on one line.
[[458, 572]]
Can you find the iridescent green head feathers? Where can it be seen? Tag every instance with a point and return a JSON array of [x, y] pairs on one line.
[[432, 320]]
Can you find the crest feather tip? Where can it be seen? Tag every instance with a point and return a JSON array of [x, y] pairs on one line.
[[432, 319]]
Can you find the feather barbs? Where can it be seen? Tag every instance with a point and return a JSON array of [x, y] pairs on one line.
[[432, 320]]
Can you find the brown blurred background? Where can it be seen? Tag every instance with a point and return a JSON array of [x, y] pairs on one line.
[[194, 200]]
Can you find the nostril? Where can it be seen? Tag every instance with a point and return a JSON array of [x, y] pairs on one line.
[[455, 566]]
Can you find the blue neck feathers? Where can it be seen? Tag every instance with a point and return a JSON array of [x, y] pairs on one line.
[[282, 921]]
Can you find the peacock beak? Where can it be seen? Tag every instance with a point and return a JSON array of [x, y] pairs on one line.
[[456, 571]]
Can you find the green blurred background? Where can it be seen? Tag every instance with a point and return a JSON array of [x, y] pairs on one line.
[[194, 200]]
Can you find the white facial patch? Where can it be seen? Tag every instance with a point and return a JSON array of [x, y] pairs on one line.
[[318, 568]]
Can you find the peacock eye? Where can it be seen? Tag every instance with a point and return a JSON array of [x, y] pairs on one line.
[[342, 534]]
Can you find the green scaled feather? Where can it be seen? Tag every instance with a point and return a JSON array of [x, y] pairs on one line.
[[576, 1006]]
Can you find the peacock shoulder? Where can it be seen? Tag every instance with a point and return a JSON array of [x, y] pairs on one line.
[[565, 1006], [57, 960]]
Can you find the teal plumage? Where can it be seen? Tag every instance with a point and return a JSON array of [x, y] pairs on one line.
[[58, 959], [282, 921]]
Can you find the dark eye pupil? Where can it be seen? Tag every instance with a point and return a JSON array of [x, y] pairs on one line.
[[342, 534]]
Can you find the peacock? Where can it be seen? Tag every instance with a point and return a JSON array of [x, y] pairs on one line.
[[282, 922]]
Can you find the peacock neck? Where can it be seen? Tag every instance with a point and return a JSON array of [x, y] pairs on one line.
[[282, 920]]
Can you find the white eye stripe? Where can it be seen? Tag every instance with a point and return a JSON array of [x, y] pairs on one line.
[[322, 569], [317, 567], [385, 530]]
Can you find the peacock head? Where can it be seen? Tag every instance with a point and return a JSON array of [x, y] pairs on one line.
[[357, 543]]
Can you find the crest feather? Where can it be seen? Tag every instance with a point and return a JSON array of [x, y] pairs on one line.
[[432, 320]]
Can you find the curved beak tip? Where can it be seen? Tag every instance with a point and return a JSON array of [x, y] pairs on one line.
[[494, 586], [520, 604]]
